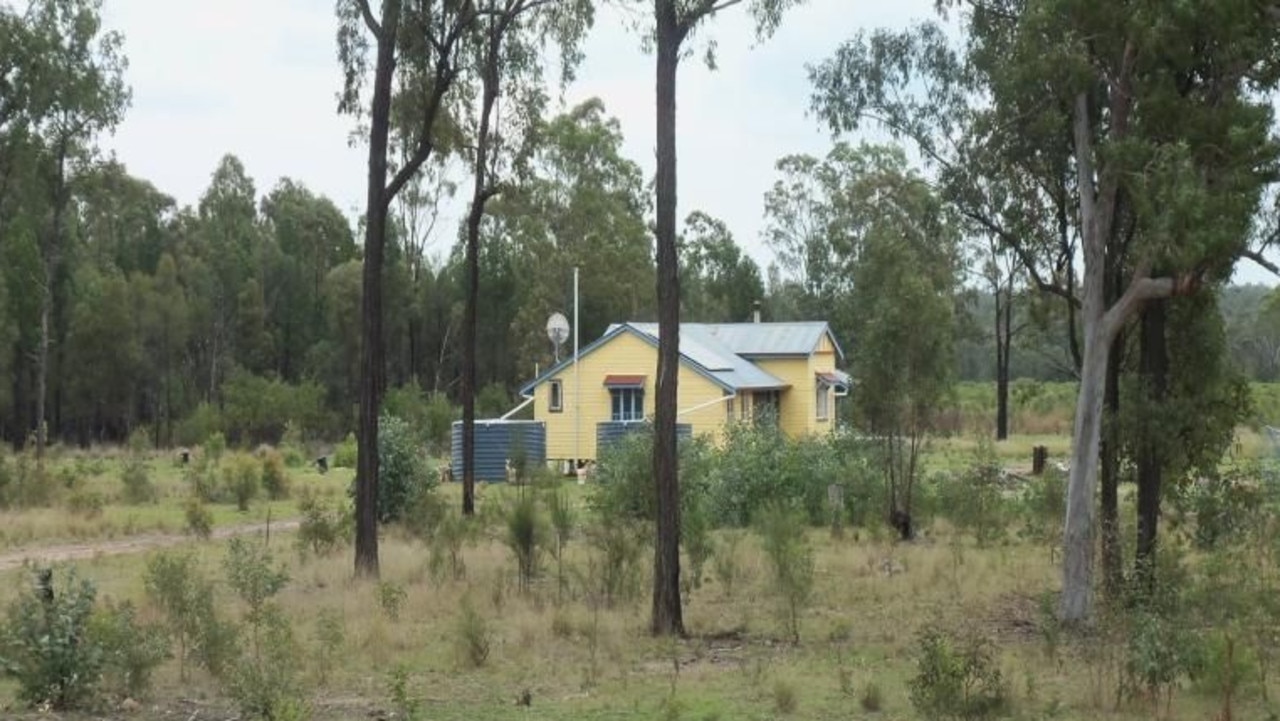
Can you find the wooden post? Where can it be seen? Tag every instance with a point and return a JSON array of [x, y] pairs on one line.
[[1039, 459]]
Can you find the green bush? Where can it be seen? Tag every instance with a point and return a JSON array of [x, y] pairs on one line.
[[47, 645], [275, 479], [402, 470], [391, 598], [324, 529], [525, 536], [344, 456], [257, 409], [176, 585], [617, 551], [265, 681], [241, 480], [957, 677], [782, 535], [203, 422], [131, 651], [974, 500], [473, 639], [87, 503], [199, 518], [136, 479]]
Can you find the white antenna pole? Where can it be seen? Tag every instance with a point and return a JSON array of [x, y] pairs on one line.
[[577, 381]]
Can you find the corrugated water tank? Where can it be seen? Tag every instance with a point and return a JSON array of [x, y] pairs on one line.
[[495, 443]]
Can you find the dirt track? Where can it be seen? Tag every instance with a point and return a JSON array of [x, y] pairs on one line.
[[12, 559]]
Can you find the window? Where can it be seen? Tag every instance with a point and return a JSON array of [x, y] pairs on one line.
[[823, 401], [556, 403], [767, 407], [728, 410], [628, 404]]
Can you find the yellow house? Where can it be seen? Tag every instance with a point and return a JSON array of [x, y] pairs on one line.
[[728, 372]]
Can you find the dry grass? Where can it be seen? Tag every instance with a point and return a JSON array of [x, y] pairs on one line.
[[573, 661]]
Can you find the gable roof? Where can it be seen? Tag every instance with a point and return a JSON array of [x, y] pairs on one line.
[[721, 352]]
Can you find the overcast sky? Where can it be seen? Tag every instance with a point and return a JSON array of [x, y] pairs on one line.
[[258, 78]]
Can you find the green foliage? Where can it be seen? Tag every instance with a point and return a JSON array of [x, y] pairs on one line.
[[403, 474], [275, 479], [525, 536], [136, 478], [472, 639], [176, 585], [131, 651], [257, 409], [48, 648], [974, 500], [324, 528], [241, 480], [199, 518], [330, 637], [203, 421], [957, 677], [782, 535], [430, 416], [391, 598], [265, 681], [344, 456], [617, 549], [451, 533], [252, 574], [563, 519]]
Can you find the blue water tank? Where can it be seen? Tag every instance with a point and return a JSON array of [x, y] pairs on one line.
[[611, 432], [495, 442]]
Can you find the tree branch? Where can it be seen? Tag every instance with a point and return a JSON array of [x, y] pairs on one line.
[[1024, 256], [1257, 257], [367, 13]]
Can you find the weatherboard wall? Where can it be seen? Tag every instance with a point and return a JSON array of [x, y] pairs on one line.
[[626, 354]]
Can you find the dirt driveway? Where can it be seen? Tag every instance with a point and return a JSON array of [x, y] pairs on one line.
[[14, 558]]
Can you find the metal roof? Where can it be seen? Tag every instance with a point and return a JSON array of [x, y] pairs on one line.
[[707, 350], [723, 351]]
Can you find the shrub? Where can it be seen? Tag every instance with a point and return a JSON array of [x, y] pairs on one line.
[[782, 533], [402, 470], [391, 597], [264, 681], [725, 563], [560, 508], [47, 647], [87, 503], [872, 700], [330, 636], [617, 548], [131, 651], [323, 528], [199, 518], [452, 534], [138, 487], [344, 456], [275, 479], [203, 422], [525, 537], [241, 479], [472, 640], [214, 446], [175, 584], [973, 500], [956, 677]]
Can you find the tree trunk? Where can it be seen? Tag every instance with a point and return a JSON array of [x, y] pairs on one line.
[[52, 248], [1155, 373], [1004, 331], [482, 191], [371, 346], [667, 617], [1110, 465]]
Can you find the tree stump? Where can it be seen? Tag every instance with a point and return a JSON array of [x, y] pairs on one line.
[[1039, 459], [322, 464]]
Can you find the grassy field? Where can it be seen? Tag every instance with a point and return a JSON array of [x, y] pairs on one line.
[[96, 474], [570, 657], [557, 651]]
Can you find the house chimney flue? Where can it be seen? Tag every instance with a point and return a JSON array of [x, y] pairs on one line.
[[755, 312]]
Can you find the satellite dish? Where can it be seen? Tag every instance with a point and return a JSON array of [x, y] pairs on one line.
[[558, 331]]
